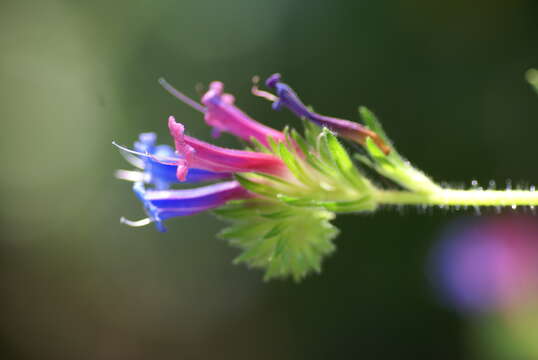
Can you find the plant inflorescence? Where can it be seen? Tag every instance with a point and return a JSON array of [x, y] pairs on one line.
[[281, 192]]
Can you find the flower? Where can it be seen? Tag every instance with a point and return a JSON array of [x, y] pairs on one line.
[[164, 204], [221, 113], [156, 161], [199, 154], [487, 264], [285, 96]]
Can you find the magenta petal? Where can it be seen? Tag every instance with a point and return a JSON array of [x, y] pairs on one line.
[[224, 116], [199, 154]]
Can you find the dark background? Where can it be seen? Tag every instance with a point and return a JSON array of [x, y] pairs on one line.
[[445, 77]]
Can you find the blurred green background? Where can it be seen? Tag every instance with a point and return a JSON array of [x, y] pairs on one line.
[[445, 77]]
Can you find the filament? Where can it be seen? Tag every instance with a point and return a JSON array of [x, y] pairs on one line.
[[133, 160], [261, 93], [182, 97], [167, 161]]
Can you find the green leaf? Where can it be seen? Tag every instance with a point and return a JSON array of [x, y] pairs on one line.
[[275, 230], [296, 201], [311, 132], [344, 163], [363, 204], [258, 146], [323, 147], [290, 245], [255, 187], [273, 178], [299, 140], [282, 214], [373, 124], [293, 165], [273, 144], [365, 160], [376, 153]]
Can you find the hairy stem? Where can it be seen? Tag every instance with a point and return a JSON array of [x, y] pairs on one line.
[[450, 197]]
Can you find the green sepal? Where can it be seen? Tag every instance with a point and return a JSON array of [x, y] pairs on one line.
[[371, 121], [299, 140], [255, 187], [376, 153], [258, 146], [293, 165], [344, 163]]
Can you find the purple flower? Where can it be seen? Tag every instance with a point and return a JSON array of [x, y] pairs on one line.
[[160, 174], [164, 204], [221, 114], [487, 264], [198, 154], [345, 128]]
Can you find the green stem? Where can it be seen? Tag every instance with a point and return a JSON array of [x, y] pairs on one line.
[[450, 197]]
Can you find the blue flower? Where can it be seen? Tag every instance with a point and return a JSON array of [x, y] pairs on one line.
[[164, 204], [160, 173]]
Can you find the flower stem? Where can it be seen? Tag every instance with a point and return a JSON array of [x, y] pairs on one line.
[[448, 197]]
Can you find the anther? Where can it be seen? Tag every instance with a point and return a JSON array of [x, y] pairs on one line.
[[138, 223]]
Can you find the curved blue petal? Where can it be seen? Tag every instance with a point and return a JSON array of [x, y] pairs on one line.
[[164, 204]]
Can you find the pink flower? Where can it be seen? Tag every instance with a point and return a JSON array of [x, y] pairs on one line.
[[221, 114], [199, 154]]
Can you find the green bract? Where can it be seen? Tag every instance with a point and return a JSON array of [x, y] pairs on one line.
[[284, 240]]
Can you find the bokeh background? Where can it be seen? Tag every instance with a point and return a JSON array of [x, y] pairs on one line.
[[445, 77]]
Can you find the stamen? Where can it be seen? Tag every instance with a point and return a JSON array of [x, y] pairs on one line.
[[133, 160], [261, 93], [182, 97], [146, 154], [138, 223]]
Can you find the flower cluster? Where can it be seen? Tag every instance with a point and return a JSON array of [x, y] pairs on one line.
[[285, 186], [281, 192]]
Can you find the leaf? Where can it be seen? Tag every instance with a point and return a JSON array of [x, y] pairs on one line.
[[275, 230], [323, 146], [344, 163], [293, 165], [282, 214], [364, 160], [376, 153], [299, 140], [311, 132], [373, 124], [285, 241], [363, 204], [273, 144], [258, 146], [273, 178], [255, 187], [296, 201]]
